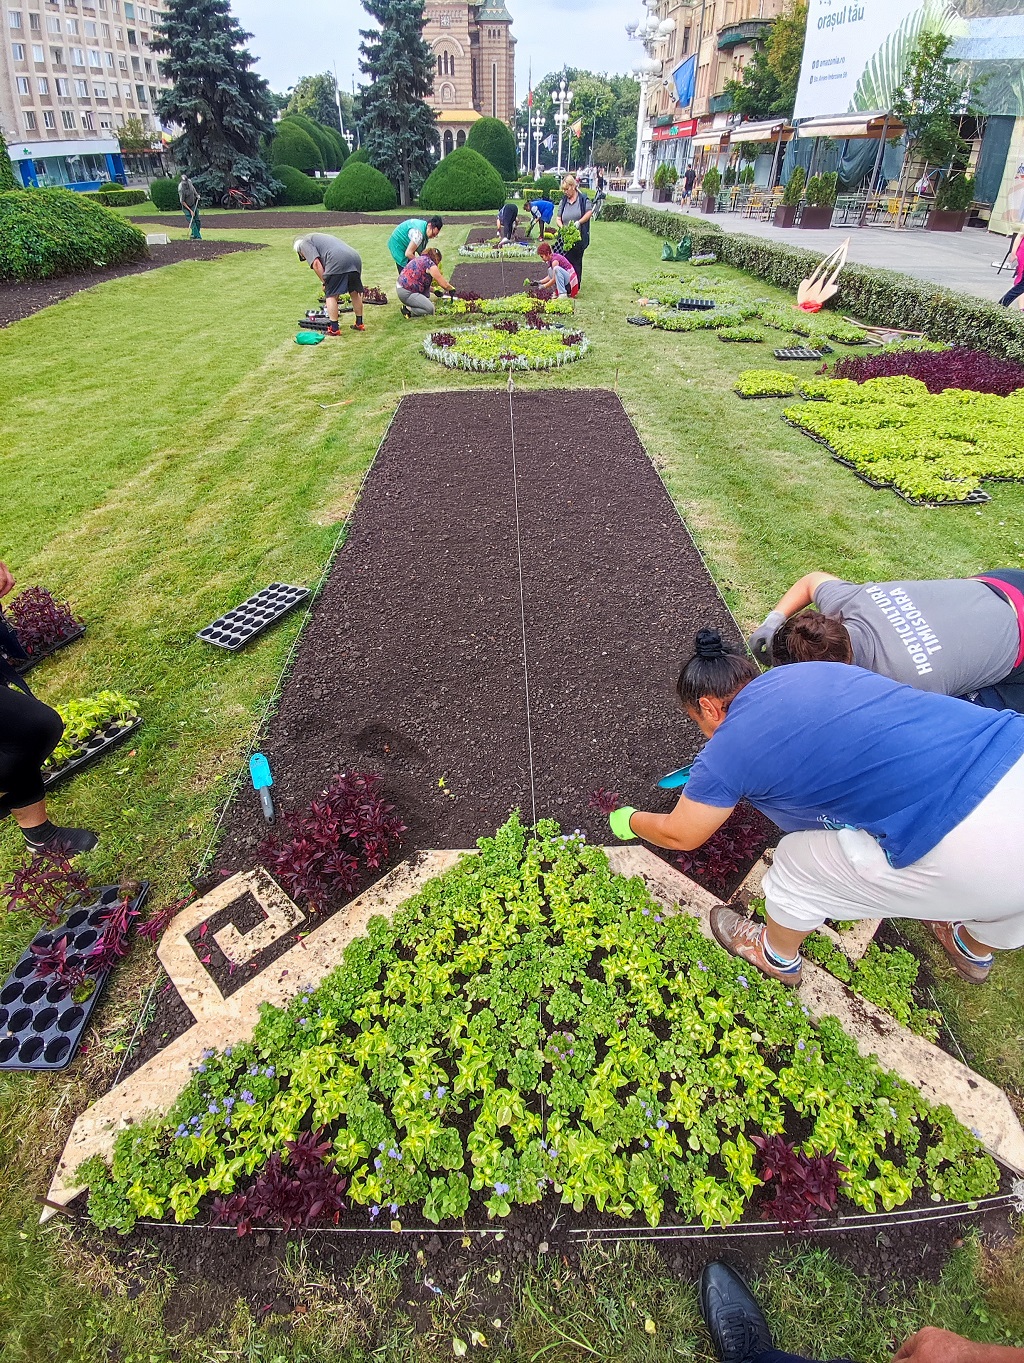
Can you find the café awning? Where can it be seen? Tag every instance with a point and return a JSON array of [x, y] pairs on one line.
[[841, 126], [772, 130]]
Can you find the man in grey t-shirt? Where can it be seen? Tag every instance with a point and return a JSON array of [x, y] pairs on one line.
[[956, 637], [341, 271]]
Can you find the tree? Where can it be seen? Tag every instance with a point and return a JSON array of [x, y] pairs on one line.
[[395, 122], [317, 98], [133, 138], [931, 97], [222, 106], [7, 180], [606, 104], [494, 140], [770, 78]]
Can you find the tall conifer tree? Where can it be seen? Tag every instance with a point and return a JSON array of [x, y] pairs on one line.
[[396, 124], [222, 106]]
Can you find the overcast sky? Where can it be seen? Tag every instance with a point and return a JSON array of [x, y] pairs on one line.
[[293, 38]]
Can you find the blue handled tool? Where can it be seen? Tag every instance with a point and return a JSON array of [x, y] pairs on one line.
[[259, 770], [675, 780]]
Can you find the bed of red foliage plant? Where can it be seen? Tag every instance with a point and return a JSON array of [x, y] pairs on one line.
[[371, 294], [40, 621], [734, 848], [805, 1185], [351, 826], [509, 324], [443, 338], [304, 1192], [958, 367]]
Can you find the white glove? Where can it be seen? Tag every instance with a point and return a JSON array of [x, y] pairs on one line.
[[760, 642]]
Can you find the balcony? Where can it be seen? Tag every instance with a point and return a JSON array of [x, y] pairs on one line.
[[719, 104], [749, 31]]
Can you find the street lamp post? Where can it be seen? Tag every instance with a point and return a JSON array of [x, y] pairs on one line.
[[562, 97], [650, 32], [521, 139], [537, 122]]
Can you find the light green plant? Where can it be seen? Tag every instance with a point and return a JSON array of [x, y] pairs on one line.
[[86, 717]]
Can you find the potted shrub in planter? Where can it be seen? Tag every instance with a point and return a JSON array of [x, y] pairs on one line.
[[821, 199], [710, 185], [952, 200], [785, 214], [664, 179]]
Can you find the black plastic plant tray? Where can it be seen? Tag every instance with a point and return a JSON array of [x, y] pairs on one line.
[[801, 352], [41, 1025], [236, 627], [778, 397], [639, 321], [98, 746], [694, 304], [23, 665]]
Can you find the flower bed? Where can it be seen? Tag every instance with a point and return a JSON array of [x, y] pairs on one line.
[[532, 1024], [938, 369], [931, 448], [516, 303], [497, 347], [489, 250]]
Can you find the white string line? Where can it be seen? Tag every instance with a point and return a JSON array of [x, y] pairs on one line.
[[522, 601]]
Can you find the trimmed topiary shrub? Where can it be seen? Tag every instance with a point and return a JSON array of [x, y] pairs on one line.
[[318, 133], [494, 141], [294, 147], [164, 194], [297, 188], [120, 197], [360, 189], [48, 232], [340, 145], [464, 179], [359, 157]]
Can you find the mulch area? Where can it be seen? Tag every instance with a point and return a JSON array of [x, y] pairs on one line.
[[305, 222], [19, 300], [496, 278]]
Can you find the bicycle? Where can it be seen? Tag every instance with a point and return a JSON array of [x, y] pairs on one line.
[[238, 198], [599, 199]]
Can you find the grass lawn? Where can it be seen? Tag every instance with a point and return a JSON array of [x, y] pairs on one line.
[[168, 454]]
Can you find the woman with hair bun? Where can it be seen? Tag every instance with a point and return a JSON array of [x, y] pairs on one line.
[[895, 803], [957, 637]]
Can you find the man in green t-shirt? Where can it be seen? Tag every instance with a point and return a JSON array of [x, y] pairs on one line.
[[410, 237]]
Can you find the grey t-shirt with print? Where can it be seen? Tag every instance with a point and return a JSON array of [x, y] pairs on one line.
[[335, 255], [948, 636]]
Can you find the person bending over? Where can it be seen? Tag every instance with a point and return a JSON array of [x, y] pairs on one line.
[[29, 732], [541, 212], [340, 270], [410, 237], [895, 803], [560, 280], [508, 216], [414, 283], [959, 637]]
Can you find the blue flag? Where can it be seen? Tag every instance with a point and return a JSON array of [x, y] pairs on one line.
[[685, 77]]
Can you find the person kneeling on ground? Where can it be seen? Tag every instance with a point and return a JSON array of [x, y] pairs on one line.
[[561, 277], [29, 732], [740, 1333], [508, 216], [541, 212], [341, 271], [895, 804], [958, 637], [414, 284]]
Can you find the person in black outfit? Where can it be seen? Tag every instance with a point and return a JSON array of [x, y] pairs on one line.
[[508, 216], [29, 732], [575, 208]]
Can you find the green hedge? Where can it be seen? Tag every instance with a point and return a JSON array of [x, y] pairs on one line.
[[164, 194], [294, 147], [495, 141], [463, 180], [360, 189], [120, 198], [883, 297], [297, 188], [48, 232], [330, 148]]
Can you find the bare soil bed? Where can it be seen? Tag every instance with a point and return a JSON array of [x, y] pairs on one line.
[[18, 300], [496, 278]]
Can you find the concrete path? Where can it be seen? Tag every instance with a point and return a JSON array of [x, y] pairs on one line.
[[956, 260]]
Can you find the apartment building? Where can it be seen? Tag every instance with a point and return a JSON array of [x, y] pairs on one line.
[[71, 72]]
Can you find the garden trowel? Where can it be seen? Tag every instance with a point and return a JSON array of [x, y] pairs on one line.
[[259, 770]]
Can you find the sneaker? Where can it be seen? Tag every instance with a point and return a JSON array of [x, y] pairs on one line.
[[357, 326], [64, 842], [742, 936], [333, 331], [738, 1329], [975, 971], [406, 312]]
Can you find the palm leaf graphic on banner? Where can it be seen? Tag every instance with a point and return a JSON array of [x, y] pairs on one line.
[[884, 71]]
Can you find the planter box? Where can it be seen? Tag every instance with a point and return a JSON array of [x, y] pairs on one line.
[[663, 196], [945, 220], [816, 218], [708, 203], [785, 216]]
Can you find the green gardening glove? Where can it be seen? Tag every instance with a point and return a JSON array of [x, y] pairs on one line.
[[619, 820]]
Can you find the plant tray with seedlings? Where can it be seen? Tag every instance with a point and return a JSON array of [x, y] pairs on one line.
[[533, 1027], [236, 627], [801, 352], [505, 345], [92, 726], [491, 251], [640, 321], [375, 297], [47, 1000], [764, 383], [749, 335], [694, 304], [42, 625]]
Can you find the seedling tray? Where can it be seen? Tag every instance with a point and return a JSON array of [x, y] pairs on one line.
[[801, 352], [98, 746], [234, 629], [640, 321], [694, 304], [41, 1024], [23, 665]]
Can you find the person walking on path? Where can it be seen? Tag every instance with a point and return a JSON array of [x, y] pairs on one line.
[[689, 179], [541, 212], [414, 283], [575, 208], [740, 1333], [188, 197], [895, 803], [508, 216], [340, 269], [29, 732], [1015, 292], [561, 277], [411, 237], [957, 637]]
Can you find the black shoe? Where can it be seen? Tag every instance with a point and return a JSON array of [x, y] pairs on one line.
[[739, 1331], [63, 842]]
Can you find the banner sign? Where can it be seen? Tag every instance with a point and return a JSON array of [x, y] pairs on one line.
[[854, 54], [674, 130], [1008, 209]]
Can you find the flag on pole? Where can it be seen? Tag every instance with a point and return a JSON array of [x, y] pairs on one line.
[[685, 78], [576, 128]]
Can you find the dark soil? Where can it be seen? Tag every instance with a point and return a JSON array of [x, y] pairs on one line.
[[18, 300], [305, 222], [496, 278]]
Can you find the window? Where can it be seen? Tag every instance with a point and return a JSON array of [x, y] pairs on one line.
[[90, 28], [33, 23], [115, 6], [149, 66], [63, 87], [95, 57], [99, 89], [24, 88], [38, 55], [18, 51], [105, 123], [67, 117], [42, 85], [119, 34], [77, 56], [136, 66], [153, 94], [72, 26], [52, 24], [82, 89], [48, 119], [140, 92], [87, 121], [108, 57], [129, 11], [30, 121], [106, 32], [57, 56], [14, 18], [133, 40], [126, 90]]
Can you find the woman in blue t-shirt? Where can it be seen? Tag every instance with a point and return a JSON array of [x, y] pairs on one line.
[[896, 803]]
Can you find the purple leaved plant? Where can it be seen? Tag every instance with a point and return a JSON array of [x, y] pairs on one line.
[[734, 848], [40, 620], [958, 367], [443, 339], [605, 801], [805, 1185], [304, 1192], [43, 886]]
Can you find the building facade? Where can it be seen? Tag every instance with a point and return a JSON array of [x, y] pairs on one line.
[[474, 60], [71, 73]]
